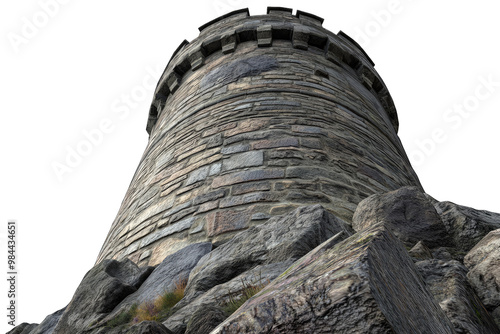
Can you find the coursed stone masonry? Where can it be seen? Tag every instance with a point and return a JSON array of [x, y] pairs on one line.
[[255, 117]]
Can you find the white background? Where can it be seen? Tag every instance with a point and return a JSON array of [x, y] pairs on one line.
[[78, 67]]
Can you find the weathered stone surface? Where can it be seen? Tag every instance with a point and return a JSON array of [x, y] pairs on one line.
[[173, 270], [24, 328], [205, 319], [281, 238], [420, 251], [465, 225], [239, 69], [447, 281], [365, 284], [221, 294], [407, 213], [102, 288], [145, 327], [48, 324], [483, 262]]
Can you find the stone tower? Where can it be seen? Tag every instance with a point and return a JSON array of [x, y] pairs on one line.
[[255, 117]]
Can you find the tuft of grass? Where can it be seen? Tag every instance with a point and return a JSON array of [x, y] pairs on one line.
[[151, 310], [238, 299], [157, 309], [123, 318]]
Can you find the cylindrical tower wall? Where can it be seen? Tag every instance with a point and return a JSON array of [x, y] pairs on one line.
[[255, 117]]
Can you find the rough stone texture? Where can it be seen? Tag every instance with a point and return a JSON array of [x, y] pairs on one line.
[[420, 251], [447, 281], [365, 284], [205, 319], [24, 328], [407, 213], [281, 238], [271, 98], [221, 294], [483, 262], [48, 324], [465, 225], [145, 327], [172, 271], [102, 288]]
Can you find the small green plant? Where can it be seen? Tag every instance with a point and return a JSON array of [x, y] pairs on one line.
[[123, 318], [238, 299]]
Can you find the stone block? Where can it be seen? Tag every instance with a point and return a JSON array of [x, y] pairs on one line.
[[242, 160], [246, 176]]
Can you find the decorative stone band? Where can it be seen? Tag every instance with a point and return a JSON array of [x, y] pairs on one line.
[[303, 33]]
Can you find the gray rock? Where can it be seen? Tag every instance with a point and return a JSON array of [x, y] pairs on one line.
[[364, 284], [173, 270], [407, 212], [483, 262], [145, 327], [222, 294], [420, 251], [447, 281], [48, 324], [102, 288], [279, 239], [24, 328], [205, 320], [465, 225]]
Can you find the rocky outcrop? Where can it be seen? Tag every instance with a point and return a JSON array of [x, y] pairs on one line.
[[281, 238], [314, 275], [221, 295], [24, 328], [174, 270], [483, 262], [365, 284], [466, 226], [407, 212], [102, 288], [447, 281]]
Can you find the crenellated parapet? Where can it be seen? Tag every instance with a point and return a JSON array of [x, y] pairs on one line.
[[303, 30]]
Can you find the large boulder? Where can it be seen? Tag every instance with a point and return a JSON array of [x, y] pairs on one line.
[[24, 328], [364, 284], [407, 212], [145, 327], [281, 238], [186, 313], [483, 262], [48, 325], [102, 288], [447, 281], [465, 225], [173, 270]]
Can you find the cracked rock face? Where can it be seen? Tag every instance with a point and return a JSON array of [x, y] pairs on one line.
[[483, 262], [447, 281], [102, 288], [407, 212], [364, 284], [281, 238]]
